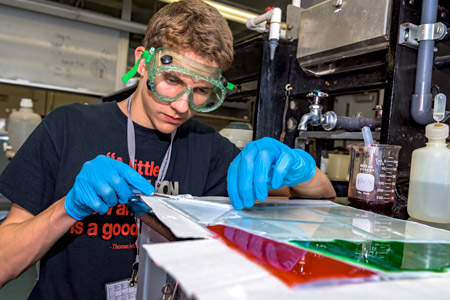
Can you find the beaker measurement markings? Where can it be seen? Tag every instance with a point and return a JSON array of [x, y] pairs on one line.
[[386, 183], [390, 169], [381, 162], [392, 176], [391, 165], [385, 190]]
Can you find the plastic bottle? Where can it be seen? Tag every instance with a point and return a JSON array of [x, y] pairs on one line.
[[21, 123], [428, 196]]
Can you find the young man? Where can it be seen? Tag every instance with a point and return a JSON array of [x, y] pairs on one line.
[[71, 181]]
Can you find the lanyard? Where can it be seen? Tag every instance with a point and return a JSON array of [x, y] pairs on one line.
[[131, 141]]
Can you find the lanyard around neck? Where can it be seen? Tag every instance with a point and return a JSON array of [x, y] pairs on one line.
[[131, 142]]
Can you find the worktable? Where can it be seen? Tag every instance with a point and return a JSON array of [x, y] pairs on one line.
[[288, 249]]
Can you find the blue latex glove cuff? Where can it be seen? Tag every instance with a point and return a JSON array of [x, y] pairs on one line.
[[77, 212]]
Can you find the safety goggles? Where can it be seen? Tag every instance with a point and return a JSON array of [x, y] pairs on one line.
[[171, 75]]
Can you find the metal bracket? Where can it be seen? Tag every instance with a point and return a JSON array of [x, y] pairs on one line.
[[292, 22], [411, 34]]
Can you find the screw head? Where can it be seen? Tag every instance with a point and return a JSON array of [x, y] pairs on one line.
[[406, 35]]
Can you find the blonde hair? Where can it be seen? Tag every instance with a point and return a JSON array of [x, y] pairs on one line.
[[192, 25]]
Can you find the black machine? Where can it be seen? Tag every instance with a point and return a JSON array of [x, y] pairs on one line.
[[342, 47]]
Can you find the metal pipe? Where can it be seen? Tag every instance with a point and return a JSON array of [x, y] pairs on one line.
[[422, 99], [353, 124]]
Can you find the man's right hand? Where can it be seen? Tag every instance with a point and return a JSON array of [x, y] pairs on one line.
[[102, 183]]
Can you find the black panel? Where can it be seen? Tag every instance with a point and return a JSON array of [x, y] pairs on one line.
[[396, 76]]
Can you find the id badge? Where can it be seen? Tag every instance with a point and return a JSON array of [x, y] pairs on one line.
[[120, 290]]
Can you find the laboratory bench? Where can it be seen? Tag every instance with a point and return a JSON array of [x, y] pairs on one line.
[[211, 251]]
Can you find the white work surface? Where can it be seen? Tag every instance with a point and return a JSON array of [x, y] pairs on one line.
[[208, 269]]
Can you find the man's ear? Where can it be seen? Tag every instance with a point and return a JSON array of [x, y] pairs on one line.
[[142, 69]]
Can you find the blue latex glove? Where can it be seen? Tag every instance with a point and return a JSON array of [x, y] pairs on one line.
[[136, 205], [263, 165], [102, 183], [138, 208]]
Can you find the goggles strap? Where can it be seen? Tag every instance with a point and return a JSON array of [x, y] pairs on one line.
[[230, 86], [147, 55], [227, 84]]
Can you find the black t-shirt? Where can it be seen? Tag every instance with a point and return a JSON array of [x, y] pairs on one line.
[[101, 249]]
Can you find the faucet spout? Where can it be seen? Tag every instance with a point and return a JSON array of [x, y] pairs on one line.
[[314, 117], [304, 121]]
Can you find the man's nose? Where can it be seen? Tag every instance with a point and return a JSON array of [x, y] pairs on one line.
[[181, 105]]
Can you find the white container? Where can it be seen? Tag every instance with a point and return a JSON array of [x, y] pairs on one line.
[[429, 196], [338, 166], [21, 123], [239, 133]]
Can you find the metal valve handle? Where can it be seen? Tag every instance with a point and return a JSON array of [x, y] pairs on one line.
[[317, 95]]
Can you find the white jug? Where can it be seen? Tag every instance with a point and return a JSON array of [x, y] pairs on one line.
[[429, 196], [22, 123]]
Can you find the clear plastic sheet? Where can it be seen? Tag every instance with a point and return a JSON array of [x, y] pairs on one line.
[[318, 220]]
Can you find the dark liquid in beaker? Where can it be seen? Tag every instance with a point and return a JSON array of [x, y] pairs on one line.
[[376, 207]]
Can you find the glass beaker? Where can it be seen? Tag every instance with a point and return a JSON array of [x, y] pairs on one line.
[[373, 173]]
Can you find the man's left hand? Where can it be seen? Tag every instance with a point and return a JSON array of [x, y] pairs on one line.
[[266, 164]]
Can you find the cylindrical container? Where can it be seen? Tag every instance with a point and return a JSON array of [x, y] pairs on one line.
[[373, 174], [21, 123], [429, 196], [338, 165]]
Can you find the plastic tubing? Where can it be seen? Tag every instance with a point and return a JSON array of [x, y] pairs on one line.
[[421, 101]]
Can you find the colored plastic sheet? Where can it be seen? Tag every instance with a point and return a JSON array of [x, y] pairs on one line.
[[387, 256], [332, 239], [292, 265]]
